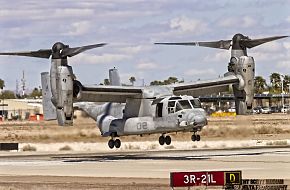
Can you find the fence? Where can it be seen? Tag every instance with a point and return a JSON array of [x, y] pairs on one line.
[[21, 114]]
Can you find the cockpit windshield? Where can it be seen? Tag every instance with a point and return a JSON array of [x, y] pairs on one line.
[[175, 105], [195, 103], [182, 104]]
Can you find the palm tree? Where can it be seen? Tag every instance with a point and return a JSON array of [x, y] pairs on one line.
[[132, 80], [2, 84], [286, 83], [275, 79], [259, 84]]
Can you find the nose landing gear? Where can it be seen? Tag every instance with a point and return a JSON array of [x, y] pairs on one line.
[[195, 137], [164, 140]]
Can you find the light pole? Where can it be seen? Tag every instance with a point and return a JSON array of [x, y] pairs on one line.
[[282, 93], [3, 108]]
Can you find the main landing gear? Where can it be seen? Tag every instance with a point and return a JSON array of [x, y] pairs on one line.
[[114, 143], [195, 137], [164, 139]]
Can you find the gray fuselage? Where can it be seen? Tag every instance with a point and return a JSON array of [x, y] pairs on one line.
[[164, 115]]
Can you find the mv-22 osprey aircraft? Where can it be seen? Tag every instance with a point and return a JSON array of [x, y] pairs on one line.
[[143, 110]]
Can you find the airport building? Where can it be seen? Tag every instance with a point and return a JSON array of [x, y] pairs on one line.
[[21, 109]]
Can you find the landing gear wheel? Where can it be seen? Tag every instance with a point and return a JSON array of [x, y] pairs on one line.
[[111, 143], [197, 137], [168, 140], [193, 137], [161, 140], [117, 143]]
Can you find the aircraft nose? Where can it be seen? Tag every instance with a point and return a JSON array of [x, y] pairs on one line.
[[200, 120], [197, 119]]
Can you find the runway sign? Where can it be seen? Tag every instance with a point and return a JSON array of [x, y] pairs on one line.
[[233, 178], [205, 178]]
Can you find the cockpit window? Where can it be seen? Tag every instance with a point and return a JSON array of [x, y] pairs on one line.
[[195, 103], [171, 103], [171, 106], [177, 105], [183, 104]]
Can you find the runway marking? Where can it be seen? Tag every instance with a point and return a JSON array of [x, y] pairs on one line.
[[207, 157]]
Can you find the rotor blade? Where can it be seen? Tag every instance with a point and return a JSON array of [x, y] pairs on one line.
[[42, 53], [222, 44], [74, 51], [250, 43]]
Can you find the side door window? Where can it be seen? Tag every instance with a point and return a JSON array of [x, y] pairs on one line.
[[159, 108]]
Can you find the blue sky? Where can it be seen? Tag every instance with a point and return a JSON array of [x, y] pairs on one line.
[[130, 27]]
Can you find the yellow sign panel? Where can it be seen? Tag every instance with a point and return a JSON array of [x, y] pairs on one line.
[[233, 178]]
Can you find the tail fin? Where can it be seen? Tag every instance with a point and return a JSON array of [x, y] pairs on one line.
[[49, 109], [94, 110], [114, 77]]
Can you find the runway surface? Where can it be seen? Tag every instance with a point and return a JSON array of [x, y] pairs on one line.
[[254, 163]]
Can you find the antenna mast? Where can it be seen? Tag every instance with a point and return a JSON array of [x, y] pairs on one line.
[[17, 88], [23, 83]]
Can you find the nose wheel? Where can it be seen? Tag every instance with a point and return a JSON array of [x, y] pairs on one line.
[[164, 140], [195, 137], [114, 143]]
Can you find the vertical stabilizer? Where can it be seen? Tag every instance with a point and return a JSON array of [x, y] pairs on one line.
[[114, 77], [49, 109]]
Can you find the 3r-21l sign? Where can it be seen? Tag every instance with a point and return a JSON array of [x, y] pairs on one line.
[[185, 179], [205, 178]]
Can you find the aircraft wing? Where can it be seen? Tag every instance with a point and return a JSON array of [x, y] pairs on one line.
[[119, 94], [100, 93], [201, 88]]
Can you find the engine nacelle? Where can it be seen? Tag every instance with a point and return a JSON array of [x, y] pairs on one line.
[[244, 68], [61, 79], [65, 96]]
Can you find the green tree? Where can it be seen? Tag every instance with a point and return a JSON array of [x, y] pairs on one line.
[[106, 82], [181, 81], [171, 80], [132, 80], [35, 93], [275, 79], [156, 82], [286, 83], [259, 84], [7, 94]]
